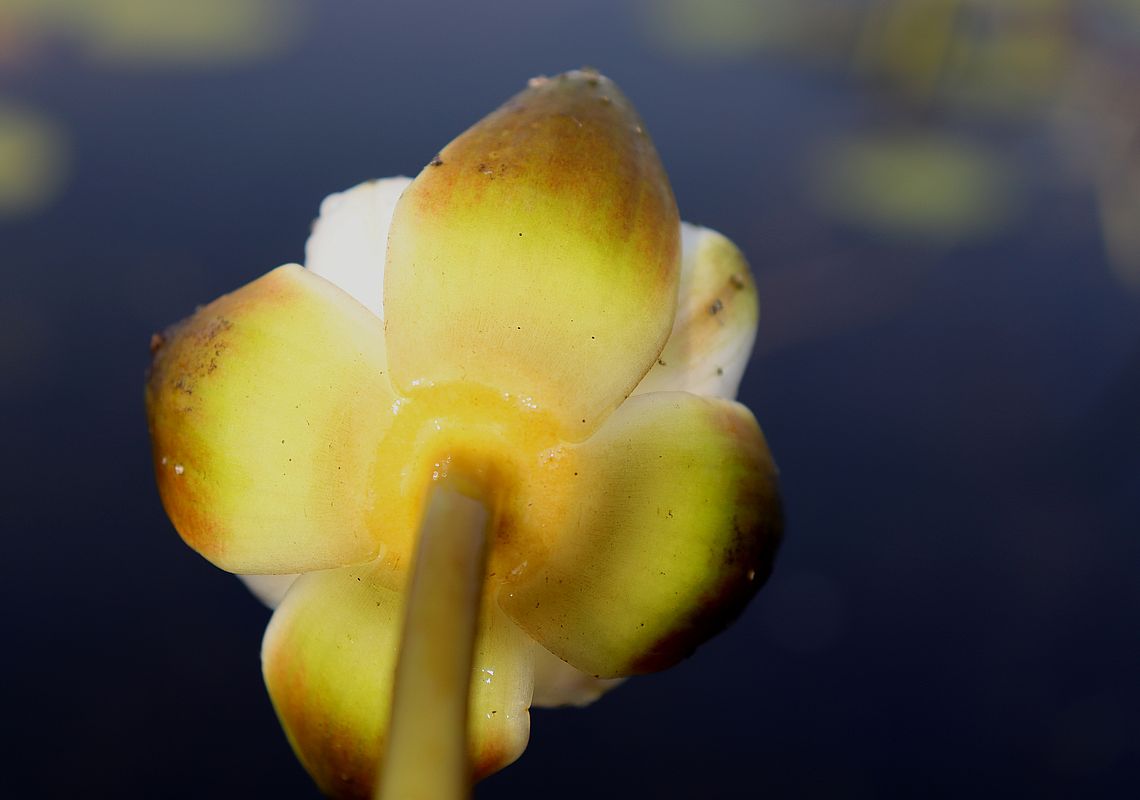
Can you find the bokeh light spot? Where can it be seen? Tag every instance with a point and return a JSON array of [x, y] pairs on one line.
[[170, 32], [925, 187], [32, 161]]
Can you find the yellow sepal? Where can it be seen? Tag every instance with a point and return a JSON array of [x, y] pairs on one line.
[[267, 409], [660, 528], [537, 256], [329, 658]]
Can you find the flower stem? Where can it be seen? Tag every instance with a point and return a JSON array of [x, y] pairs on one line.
[[427, 737]]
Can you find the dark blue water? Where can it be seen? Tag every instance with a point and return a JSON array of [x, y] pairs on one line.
[[955, 609]]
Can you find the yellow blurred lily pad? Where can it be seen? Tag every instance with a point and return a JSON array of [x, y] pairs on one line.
[[199, 33], [914, 186], [1119, 196], [32, 156]]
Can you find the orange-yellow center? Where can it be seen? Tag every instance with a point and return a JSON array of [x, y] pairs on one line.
[[489, 445]]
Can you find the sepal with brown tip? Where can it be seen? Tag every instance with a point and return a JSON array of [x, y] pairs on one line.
[[538, 255], [670, 520], [266, 411], [329, 659]]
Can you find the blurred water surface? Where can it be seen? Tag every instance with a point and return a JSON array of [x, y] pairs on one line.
[[941, 202]]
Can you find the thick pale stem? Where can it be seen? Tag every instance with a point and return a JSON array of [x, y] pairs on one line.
[[427, 755]]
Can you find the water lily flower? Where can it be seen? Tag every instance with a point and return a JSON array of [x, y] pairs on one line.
[[524, 345]]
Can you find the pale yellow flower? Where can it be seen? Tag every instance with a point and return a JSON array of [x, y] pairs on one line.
[[527, 320]]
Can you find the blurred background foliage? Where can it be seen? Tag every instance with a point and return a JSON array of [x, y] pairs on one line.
[[32, 157], [139, 34], [146, 33], [946, 83], [941, 203]]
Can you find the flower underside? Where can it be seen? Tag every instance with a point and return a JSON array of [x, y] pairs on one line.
[[527, 321]]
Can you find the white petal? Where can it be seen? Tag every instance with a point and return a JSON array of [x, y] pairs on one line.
[[350, 239], [715, 326], [556, 683], [269, 589]]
